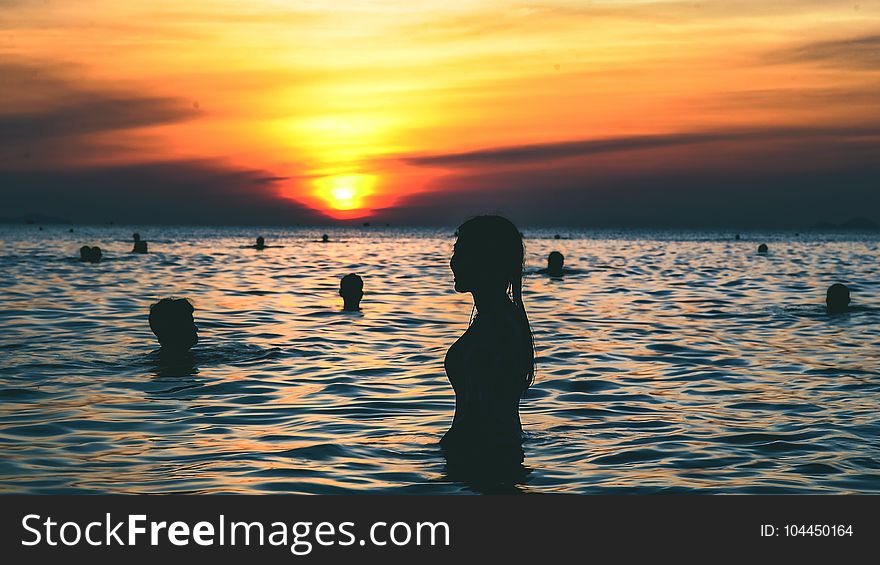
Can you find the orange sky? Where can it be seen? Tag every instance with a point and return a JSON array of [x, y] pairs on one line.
[[332, 96]]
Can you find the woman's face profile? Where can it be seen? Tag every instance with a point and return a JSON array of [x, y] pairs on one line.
[[463, 266]]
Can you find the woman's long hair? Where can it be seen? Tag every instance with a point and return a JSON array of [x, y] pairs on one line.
[[502, 252]]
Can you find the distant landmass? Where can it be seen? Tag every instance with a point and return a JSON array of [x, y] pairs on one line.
[[33, 219], [853, 224], [860, 223]]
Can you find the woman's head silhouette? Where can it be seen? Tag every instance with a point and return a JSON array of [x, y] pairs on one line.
[[488, 255]]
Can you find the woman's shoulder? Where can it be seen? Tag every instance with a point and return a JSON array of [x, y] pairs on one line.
[[498, 333]]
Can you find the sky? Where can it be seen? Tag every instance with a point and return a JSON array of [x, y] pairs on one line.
[[617, 113]]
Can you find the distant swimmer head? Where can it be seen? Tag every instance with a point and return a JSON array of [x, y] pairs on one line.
[[555, 262], [325, 238], [140, 246], [557, 236], [171, 320], [837, 298], [351, 289], [90, 254], [96, 254], [762, 248], [738, 237], [261, 243]]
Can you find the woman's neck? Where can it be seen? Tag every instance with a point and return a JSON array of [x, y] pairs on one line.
[[489, 301]]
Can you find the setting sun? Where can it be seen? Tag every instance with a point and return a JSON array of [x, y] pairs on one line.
[[343, 197], [345, 194]]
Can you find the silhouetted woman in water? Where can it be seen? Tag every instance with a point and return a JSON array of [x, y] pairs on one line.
[[493, 363]]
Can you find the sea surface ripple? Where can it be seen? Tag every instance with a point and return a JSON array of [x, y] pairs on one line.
[[667, 362]]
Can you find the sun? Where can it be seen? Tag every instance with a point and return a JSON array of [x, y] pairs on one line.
[[344, 196], [345, 193]]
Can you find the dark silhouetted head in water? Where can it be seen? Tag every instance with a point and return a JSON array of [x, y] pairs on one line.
[[837, 299], [261, 243], [351, 289], [737, 237], [90, 254], [555, 262], [488, 263], [140, 246], [325, 238], [557, 236], [762, 248], [171, 319]]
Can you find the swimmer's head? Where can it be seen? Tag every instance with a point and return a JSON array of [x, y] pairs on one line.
[[555, 262], [136, 236], [325, 238], [351, 289], [261, 242], [85, 253], [95, 254], [171, 320], [837, 298], [762, 248]]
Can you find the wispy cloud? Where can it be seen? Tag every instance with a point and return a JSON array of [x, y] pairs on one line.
[[854, 53], [807, 99], [102, 112], [545, 152], [73, 110], [714, 196]]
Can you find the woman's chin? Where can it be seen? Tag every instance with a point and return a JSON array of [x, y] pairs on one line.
[[459, 287]]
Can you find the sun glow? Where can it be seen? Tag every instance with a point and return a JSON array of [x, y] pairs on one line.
[[345, 194], [343, 197]]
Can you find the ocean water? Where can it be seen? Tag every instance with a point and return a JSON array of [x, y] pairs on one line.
[[667, 362]]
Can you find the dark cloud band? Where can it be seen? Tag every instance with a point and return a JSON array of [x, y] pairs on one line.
[[517, 155]]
